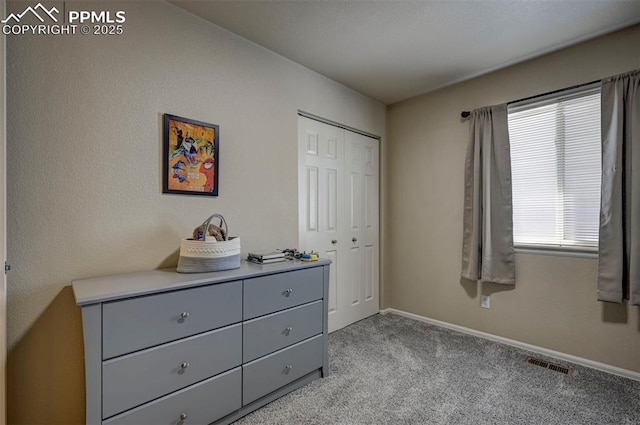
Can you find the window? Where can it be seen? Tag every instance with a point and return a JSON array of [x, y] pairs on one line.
[[555, 160]]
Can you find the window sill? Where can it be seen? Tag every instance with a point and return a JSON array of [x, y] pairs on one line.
[[557, 252]]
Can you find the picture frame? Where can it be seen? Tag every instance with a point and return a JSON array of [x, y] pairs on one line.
[[191, 155]]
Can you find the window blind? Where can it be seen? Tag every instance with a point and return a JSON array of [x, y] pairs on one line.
[[556, 170]]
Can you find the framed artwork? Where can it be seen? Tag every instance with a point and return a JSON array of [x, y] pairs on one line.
[[191, 155]]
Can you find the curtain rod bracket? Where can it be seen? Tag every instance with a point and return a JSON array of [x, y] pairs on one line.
[[465, 114]]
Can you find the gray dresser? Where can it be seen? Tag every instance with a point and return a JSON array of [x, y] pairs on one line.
[[164, 348]]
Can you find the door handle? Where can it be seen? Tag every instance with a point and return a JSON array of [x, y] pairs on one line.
[[334, 241], [354, 240]]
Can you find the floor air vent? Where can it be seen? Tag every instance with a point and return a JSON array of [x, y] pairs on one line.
[[550, 366]]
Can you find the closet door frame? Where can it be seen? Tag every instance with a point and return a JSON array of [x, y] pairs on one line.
[[330, 153]]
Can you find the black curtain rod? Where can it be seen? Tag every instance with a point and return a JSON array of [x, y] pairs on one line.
[[465, 114]]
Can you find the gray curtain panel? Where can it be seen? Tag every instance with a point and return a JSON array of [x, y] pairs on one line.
[[487, 247], [619, 248]]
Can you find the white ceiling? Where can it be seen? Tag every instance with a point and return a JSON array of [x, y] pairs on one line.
[[393, 50]]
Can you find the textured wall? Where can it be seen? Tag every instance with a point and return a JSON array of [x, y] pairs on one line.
[[84, 169], [3, 281], [554, 302]]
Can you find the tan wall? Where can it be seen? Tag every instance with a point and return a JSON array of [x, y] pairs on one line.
[[84, 172], [554, 302], [3, 281]]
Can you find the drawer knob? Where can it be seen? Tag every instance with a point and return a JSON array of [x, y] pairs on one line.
[[288, 292], [184, 365], [183, 316], [288, 330], [183, 416], [287, 368]]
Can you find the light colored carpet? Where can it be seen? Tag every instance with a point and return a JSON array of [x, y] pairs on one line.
[[393, 370]]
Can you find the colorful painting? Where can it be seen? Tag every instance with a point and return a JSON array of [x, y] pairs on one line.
[[190, 156]]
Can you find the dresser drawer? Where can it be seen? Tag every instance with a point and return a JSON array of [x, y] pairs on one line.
[[202, 403], [267, 294], [270, 333], [143, 322], [137, 378], [271, 372]]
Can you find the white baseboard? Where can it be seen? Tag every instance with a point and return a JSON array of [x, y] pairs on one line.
[[534, 348]]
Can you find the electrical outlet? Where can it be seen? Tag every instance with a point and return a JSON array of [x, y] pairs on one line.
[[485, 301]]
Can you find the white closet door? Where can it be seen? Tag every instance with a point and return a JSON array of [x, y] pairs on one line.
[[320, 201], [338, 215], [363, 214]]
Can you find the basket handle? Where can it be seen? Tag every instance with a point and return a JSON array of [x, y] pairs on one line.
[[205, 226]]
